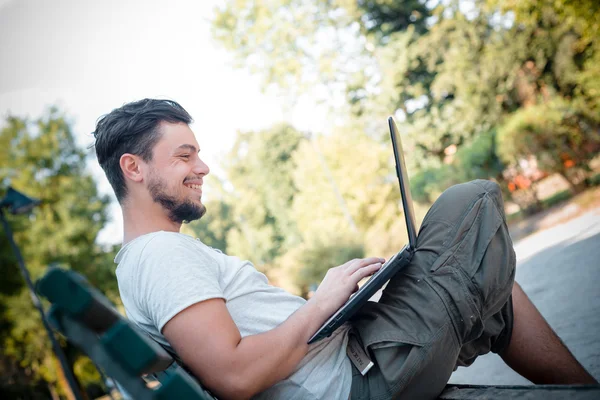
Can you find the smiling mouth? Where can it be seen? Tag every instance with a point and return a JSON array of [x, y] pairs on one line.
[[195, 187]]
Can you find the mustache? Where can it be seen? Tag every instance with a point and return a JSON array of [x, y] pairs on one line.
[[192, 178]]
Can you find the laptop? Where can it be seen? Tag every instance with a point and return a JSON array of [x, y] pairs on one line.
[[394, 264]]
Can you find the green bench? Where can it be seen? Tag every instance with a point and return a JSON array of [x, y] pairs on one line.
[[125, 353]]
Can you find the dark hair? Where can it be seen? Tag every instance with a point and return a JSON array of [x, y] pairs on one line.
[[132, 128]]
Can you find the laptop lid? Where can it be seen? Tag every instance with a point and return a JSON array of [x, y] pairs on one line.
[[407, 203]]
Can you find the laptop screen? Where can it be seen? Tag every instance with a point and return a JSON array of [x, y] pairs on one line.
[[407, 202]]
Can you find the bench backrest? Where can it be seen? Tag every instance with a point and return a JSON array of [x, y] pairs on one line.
[[125, 353]]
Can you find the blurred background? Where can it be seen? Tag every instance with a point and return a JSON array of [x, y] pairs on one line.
[[290, 100]]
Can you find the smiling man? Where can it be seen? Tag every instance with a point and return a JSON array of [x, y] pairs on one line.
[[242, 337]]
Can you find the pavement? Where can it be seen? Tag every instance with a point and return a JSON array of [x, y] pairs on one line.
[[559, 269]]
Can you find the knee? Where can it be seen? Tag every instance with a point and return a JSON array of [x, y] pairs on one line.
[[469, 191], [476, 186], [453, 203], [487, 186], [491, 188], [481, 187]]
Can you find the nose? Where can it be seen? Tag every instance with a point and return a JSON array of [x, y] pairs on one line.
[[200, 168]]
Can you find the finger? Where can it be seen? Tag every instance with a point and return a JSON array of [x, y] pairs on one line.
[[361, 263], [355, 288], [366, 271]]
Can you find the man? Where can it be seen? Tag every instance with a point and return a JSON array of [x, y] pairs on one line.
[[242, 337]]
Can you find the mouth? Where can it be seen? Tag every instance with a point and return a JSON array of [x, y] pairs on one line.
[[194, 187]]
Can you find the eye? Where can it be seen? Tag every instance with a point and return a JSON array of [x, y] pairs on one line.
[[185, 156]]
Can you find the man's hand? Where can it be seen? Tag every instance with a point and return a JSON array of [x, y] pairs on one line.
[[340, 282]]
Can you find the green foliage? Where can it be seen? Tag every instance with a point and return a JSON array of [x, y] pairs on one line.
[[557, 198], [260, 168], [450, 85], [316, 257], [41, 159], [478, 159], [289, 52], [560, 135], [580, 15], [293, 194], [295, 45], [475, 160], [347, 185], [429, 183], [463, 79], [381, 18], [453, 74], [563, 42]]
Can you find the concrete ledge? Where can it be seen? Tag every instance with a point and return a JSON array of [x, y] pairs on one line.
[[545, 392]]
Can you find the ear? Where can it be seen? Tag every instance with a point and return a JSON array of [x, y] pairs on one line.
[[131, 167]]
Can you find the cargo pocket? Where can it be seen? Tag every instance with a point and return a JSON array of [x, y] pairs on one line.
[[391, 339], [462, 299], [399, 334], [399, 357], [407, 322], [480, 225], [405, 362]]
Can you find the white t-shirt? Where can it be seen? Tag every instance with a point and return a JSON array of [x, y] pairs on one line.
[[162, 273]]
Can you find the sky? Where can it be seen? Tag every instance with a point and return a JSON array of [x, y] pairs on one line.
[[89, 57]]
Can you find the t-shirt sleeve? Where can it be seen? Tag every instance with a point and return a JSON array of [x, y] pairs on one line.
[[173, 275]]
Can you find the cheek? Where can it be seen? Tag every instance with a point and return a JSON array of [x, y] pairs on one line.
[[177, 187], [170, 183], [173, 177]]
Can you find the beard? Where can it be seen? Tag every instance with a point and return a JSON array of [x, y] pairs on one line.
[[179, 211]]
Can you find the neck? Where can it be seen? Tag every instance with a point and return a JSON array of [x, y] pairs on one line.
[[139, 220]]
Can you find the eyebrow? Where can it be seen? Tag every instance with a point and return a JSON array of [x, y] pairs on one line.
[[188, 147]]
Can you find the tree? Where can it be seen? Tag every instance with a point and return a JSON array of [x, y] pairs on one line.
[[308, 263], [476, 160], [451, 72], [362, 173], [259, 167], [294, 198], [457, 76], [295, 45], [562, 137], [40, 158], [573, 51]]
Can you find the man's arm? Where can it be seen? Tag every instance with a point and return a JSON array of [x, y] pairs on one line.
[[209, 343]]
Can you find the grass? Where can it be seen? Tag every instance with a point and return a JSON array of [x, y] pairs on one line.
[[556, 198], [595, 180]]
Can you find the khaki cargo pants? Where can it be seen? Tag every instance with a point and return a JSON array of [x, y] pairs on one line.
[[451, 304]]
